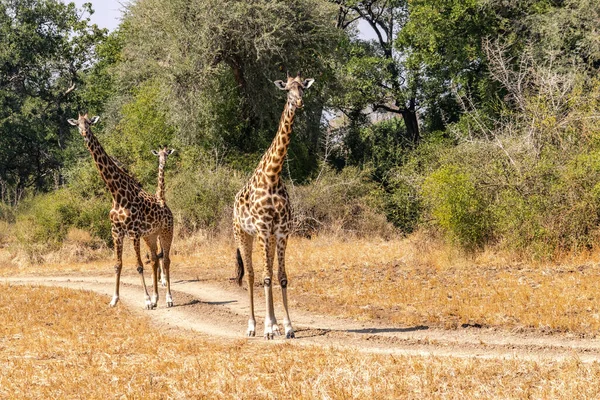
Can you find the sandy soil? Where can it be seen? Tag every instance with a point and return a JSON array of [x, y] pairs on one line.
[[220, 311]]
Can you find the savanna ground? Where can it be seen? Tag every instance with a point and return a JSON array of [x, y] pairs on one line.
[[402, 318]]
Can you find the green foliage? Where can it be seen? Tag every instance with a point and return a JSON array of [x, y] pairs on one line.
[[215, 62], [457, 207], [403, 206], [143, 128], [7, 213], [45, 45], [44, 221], [201, 198]]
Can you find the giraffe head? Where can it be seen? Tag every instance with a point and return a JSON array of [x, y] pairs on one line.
[[84, 123], [295, 87], [162, 154]]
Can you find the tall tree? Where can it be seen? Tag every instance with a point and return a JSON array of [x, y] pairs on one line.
[[378, 77], [45, 46], [215, 60]]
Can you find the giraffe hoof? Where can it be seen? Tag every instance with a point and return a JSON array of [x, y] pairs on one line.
[[251, 334], [114, 301], [290, 335], [268, 336], [169, 304]]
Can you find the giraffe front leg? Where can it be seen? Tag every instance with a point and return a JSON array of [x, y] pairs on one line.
[[270, 321], [283, 282], [163, 276], [118, 244], [166, 238]]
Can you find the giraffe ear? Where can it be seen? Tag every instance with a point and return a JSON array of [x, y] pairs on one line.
[[307, 83], [154, 152], [170, 151], [73, 121], [280, 84], [94, 120]]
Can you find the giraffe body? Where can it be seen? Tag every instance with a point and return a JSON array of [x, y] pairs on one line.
[[135, 214], [262, 210]]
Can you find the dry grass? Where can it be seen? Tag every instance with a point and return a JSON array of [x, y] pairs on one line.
[[56, 343], [403, 282]]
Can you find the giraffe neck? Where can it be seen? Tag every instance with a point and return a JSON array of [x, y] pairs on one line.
[[272, 161], [109, 171], [160, 188]]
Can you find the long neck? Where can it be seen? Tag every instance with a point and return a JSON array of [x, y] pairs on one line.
[[271, 163], [109, 171], [160, 189]]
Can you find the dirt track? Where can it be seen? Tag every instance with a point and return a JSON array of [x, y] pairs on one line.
[[221, 311]]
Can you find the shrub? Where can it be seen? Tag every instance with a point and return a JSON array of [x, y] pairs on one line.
[[46, 220], [457, 207], [340, 202], [7, 213], [202, 198]]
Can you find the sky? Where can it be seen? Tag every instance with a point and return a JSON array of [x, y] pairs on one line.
[[107, 13]]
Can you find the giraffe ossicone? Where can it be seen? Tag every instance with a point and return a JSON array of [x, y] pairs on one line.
[[262, 209], [134, 213]]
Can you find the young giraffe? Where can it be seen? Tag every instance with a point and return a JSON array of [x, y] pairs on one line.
[[162, 155], [134, 213], [262, 209]]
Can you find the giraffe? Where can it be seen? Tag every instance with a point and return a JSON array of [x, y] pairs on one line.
[[262, 209], [134, 213], [162, 155]]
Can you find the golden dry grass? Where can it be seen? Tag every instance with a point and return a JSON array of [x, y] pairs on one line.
[[404, 282], [57, 343]]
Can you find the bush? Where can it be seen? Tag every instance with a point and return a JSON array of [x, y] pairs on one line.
[[203, 198], [457, 207], [555, 209], [7, 213], [344, 202], [44, 221]]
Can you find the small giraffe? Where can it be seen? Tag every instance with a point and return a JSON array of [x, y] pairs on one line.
[[162, 155], [134, 213], [262, 209]]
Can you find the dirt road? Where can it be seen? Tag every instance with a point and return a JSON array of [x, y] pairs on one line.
[[222, 311]]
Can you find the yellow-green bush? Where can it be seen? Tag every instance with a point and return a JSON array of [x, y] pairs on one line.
[[201, 197], [457, 207]]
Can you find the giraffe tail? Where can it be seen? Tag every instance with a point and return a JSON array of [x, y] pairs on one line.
[[240, 268]]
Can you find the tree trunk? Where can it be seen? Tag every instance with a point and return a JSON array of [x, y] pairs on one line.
[[411, 122]]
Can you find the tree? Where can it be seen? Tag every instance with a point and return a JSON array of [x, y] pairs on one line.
[[377, 76], [45, 47], [215, 62]]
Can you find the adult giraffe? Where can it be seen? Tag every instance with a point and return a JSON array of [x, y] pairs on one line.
[[262, 209], [162, 155], [134, 213]]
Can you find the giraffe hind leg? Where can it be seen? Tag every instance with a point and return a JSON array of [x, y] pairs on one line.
[[140, 269], [244, 261], [154, 261]]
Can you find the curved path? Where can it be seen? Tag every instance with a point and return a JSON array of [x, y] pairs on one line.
[[221, 311]]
